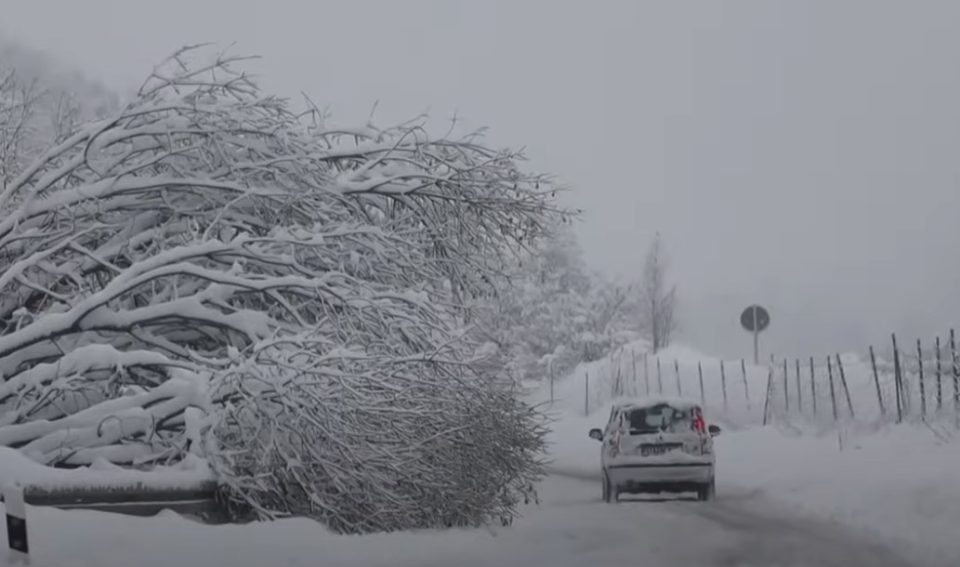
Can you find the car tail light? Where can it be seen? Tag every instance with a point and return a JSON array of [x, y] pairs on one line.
[[699, 425]]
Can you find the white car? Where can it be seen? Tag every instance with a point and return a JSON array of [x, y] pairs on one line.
[[657, 445]]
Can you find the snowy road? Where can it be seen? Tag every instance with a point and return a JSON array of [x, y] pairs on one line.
[[571, 527], [738, 529]]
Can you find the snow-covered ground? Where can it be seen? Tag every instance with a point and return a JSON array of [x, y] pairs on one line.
[[16, 468], [899, 486], [902, 483], [570, 528], [899, 483], [891, 496]]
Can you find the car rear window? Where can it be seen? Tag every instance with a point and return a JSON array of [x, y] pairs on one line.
[[661, 417]]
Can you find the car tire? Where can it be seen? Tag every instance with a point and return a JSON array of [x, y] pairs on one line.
[[708, 491], [607, 491]]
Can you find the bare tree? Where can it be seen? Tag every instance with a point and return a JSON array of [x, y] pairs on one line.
[[658, 298], [34, 116], [18, 101], [209, 275]]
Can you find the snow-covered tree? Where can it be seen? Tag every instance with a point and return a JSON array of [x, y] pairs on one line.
[[552, 313], [658, 298], [17, 105], [207, 274], [538, 311], [39, 104], [613, 317]]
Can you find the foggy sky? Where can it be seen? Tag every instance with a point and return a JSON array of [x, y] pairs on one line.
[[803, 155]]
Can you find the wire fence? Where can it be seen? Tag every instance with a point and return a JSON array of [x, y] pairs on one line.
[[896, 382], [727, 386]]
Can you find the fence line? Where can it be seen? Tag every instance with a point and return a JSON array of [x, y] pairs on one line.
[[910, 379]]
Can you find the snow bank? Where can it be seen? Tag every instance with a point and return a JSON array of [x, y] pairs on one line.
[[901, 483], [191, 473], [574, 529]]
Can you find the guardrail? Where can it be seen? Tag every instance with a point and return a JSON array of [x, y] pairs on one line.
[[197, 502]]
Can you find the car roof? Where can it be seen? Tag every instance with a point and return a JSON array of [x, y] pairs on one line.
[[650, 401]]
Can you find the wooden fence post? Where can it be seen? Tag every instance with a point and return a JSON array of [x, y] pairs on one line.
[[799, 390], [939, 381], [923, 391], [614, 375], [659, 377], [601, 379], [703, 397], [551, 383], [786, 387], [619, 379], [746, 389], [813, 387], [646, 373], [833, 395], [766, 401], [876, 381], [897, 377], [723, 385], [676, 370], [586, 394], [843, 382], [956, 378]]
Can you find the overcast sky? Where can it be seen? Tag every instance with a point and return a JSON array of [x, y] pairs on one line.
[[804, 155]]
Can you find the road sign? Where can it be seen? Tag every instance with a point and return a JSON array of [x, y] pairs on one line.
[[755, 319]]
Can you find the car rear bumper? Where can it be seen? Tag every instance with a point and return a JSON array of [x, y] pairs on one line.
[[668, 477]]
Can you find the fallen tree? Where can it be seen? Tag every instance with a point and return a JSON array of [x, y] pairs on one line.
[[207, 272]]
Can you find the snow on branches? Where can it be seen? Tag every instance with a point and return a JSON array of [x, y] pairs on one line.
[[367, 440], [208, 272], [556, 314]]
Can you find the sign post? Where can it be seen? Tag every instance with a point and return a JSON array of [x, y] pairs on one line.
[[16, 524], [755, 319]]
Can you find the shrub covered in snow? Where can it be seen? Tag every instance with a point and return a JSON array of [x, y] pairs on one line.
[[207, 272]]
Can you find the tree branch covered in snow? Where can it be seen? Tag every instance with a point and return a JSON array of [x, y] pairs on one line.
[[208, 272], [355, 444]]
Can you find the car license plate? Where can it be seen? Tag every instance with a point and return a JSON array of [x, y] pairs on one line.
[[653, 450]]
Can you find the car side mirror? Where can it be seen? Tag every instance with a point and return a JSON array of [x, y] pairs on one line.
[[596, 434], [714, 430]]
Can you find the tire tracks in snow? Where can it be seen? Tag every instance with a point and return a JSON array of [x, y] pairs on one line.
[[763, 533]]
